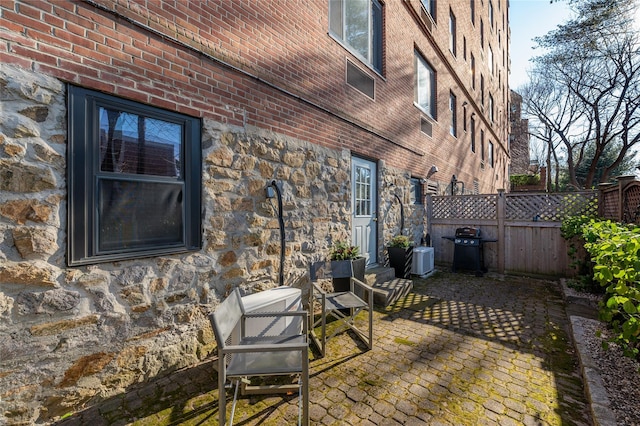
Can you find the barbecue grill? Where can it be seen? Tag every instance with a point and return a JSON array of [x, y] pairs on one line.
[[468, 252]]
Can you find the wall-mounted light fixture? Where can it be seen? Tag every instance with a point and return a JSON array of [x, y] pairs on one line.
[[432, 171]]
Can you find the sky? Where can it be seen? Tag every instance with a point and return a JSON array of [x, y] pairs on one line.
[[529, 19]]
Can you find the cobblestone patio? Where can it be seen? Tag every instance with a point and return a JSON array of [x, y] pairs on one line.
[[458, 350]]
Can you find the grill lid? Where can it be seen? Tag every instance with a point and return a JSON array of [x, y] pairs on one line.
[[468, 232]]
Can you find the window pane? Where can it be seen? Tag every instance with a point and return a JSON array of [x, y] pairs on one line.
[[357, 26], [335, 17], [138, 214], [452, 33], [131, 143], [454, 120], [363, 192], [425, 86]]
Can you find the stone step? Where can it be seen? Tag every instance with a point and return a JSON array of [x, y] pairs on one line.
[[379, 274], [388, 292]]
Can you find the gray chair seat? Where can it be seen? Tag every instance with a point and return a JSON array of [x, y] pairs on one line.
[[269, 362]]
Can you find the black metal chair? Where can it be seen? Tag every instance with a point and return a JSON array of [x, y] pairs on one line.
[[264, 355], [342, 306]]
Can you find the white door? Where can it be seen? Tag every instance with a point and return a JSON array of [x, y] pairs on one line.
[[364, 208]]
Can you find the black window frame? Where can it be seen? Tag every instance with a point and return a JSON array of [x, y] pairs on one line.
[[453, 109], [84, 178], [416, 190]]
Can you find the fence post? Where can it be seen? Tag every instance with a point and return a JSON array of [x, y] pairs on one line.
[[501, 231], [624, 182]]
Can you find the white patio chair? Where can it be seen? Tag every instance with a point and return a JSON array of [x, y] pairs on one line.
[[261, 355], [342, 306]]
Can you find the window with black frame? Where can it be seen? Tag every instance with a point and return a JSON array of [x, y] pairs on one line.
[[416, 191], [134, 179]]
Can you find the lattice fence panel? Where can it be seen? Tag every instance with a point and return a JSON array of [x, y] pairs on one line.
[[549, 207], [465, 207], [631, 202], [609, 205]]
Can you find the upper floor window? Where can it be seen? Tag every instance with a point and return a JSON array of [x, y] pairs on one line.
[[482, 89], [481, 33], [425, 86], [452, 32], [482, 144], [430, 7], [454, 118], [491, 13], [490, 154], [472, 10], [473, 71], [491, 106], [490, 60], [464, 48], [134, 179], [472, 130], [358, 25]]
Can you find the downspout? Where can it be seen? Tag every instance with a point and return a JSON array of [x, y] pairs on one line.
[[281, 223], [401, 214]]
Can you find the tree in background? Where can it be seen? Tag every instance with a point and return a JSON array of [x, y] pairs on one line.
[[584, 94]]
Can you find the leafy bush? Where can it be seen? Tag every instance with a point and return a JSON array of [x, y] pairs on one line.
[[400, 241], [571, 230], [615, 251], [520, 180]]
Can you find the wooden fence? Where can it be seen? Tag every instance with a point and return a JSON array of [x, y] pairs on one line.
[[526, 225], [620, 201]]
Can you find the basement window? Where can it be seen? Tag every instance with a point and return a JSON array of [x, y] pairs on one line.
[[134, 179]]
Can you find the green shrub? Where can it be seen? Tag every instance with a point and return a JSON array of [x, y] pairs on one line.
[[400, 241], [520, 180], [571, 230], [615, 252]]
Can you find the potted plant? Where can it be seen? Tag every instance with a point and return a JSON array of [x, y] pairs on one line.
[[346, 262], [400, 250]]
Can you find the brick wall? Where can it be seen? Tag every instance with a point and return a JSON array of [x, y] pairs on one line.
[[519, 135], [117, 48]]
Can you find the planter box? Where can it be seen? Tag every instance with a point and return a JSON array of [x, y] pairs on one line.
[[400, 259], [342, 270]]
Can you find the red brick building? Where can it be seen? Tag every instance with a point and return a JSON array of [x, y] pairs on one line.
[[139, 137]]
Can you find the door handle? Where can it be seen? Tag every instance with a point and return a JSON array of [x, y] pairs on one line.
[[375, 219]]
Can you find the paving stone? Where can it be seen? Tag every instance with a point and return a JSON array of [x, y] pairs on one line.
[[448, 363]]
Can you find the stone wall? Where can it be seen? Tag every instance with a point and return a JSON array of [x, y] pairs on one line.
[[70, 336]]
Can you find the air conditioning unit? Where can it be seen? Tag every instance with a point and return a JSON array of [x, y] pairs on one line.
[[422, 260]]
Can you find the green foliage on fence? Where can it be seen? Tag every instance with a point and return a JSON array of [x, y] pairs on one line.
[[520, 180], [571, 231], [615, 252]]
